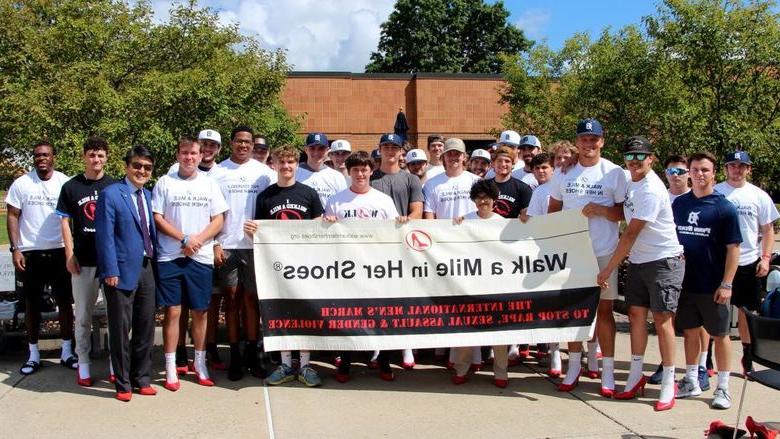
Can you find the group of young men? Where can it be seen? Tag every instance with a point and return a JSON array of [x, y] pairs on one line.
[[186, 246]]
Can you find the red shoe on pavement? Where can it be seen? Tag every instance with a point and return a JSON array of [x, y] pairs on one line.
[[124, 396], [342, 377], [83, 382], [501, 384], [147, 391], [174, 386], [458, 380]]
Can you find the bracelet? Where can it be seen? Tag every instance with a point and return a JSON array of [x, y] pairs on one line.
[[725, 285], [184, 241]]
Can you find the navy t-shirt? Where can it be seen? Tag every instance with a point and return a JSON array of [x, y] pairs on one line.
[[705, 226]]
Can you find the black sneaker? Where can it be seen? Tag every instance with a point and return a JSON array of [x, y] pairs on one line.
[[658, 376]]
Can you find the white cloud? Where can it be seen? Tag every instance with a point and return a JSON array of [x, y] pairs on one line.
[[533, 22], [329, 35]]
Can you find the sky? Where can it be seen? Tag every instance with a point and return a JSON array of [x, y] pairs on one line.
[[339, 35]]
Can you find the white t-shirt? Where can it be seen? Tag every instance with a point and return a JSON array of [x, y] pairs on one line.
[[475, 216], [755, 209], [371, 205], [240, 185], [529, 179], [673, 197], [187, 205], [540, 200], [39, 225], [433, 171], [448, 197], [603, 183], [648, 200], [327, 181]]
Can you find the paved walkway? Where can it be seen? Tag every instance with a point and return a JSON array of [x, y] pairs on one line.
[[420, 403]]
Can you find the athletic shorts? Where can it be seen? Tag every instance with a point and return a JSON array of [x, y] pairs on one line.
[[42, 268], [184, 281], [238, 269], [656, 284], [747, 287], [611, 292], [696, 310]]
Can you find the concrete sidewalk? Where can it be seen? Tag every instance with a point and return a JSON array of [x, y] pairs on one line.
[[420, 403]]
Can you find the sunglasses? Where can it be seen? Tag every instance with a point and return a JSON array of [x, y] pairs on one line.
[[137, 166], [636, 156], [676, 171]]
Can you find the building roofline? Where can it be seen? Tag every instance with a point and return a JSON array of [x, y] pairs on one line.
[[419, 75]]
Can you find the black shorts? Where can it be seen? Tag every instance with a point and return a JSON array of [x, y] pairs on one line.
[[696, 310], [746, 290], [44, 268]]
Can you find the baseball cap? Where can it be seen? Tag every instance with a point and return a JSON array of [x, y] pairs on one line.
[[340, 145], [738, 157], [510, 138], [375, 154], [316, 139], [637, 144], [480, 154], [454, 144], [416, 155], [261, 145], [391, 139], [210, 135], [589, 127], [530, 140]]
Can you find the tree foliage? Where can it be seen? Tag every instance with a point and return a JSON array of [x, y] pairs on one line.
[[73, 68], [446, 36], [699, 75]]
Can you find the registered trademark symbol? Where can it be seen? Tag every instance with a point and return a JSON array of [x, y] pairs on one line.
[[278, 266]]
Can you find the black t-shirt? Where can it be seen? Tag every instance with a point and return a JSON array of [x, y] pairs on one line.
[[296, 202], [78, 200], [513, 196]]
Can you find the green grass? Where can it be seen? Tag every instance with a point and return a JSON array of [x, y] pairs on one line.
[[3, 230]]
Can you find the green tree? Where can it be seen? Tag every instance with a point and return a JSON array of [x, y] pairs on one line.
[[72, 68], [446, 36]]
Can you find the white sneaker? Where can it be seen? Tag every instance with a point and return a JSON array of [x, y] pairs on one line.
[[722, 399], [686, 388]]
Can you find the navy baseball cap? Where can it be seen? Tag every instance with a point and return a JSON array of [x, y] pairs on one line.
[[391, 139], [738, 157], [589, 127], [317, 139], [375, 154]]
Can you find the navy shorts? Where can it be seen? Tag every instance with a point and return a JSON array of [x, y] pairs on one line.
[[184, 281], [747, 287]]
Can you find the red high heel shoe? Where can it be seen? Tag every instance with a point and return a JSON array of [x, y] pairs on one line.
[[569, 387], [662, 406], [759, 429], [639, 388], [553, 373], [722, 430]]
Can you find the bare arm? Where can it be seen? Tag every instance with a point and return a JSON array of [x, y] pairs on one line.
[[415, 210], [722, 295], [554, 205], [612, 213], [14, 236], [71, 262], [767, 244], [429, 215]]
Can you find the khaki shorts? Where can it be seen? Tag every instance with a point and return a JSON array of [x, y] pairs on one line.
[[611, 292]]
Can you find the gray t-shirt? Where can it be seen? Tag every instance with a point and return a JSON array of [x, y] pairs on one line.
[[402, 187]]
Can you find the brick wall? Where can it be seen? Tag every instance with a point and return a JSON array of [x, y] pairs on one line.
[[360, 107]]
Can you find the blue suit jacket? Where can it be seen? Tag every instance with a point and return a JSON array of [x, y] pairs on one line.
[[119, 242]]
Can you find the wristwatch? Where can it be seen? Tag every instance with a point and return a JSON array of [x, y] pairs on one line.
[[726, 285], [13, 248], [184, 241]]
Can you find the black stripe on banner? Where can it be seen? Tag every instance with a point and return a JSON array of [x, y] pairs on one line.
[[430, 315]]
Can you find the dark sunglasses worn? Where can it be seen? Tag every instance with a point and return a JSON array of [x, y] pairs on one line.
[[676, 171], [137, 166], [636, 156]]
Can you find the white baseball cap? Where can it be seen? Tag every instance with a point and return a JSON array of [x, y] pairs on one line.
[[480, 154], [210, 135], [509, 137], [416, 155], [530, 140], [340, 145]]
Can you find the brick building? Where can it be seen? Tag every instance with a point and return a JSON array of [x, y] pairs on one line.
[[359, 107]]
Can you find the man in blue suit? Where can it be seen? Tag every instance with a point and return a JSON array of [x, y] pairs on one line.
[[126, 241]]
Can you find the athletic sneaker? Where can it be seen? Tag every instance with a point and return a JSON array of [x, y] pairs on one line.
[[704, 379], [309, 376], [282, 374], [722, 399], [657, 376], [686, 388]]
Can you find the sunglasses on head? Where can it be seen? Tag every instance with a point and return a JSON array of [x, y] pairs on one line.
[[676, 171], [137, 166], [636, 156]]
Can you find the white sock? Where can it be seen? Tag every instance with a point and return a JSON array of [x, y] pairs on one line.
[[200, 365], [593, 360], [514, 352], [555, 356], [305, 357], [35, 354], [575, 360], [83, 370], [635, 372], [476, 355], [408, 356], [375, 356], [110, 367], [170, 367], [452, 355], [491, 355], [692, 374], [723, 379], [703, 359], [287, 358], [667, 384], [608, 373], [67, 349]]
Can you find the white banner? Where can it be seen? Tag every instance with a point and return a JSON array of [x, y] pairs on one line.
[[364, 285]]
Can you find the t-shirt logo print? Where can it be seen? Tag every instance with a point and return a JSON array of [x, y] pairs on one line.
[[89, 210], [693, 218], [288, 214]]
